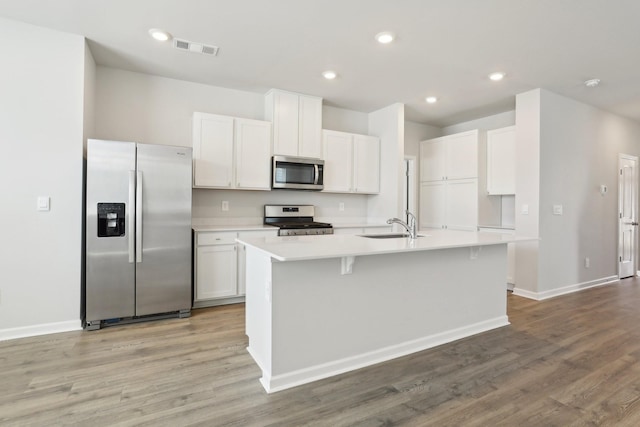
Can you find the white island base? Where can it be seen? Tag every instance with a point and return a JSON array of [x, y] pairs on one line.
[[306, 320]]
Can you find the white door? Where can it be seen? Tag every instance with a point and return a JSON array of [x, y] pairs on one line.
[[627, 209]]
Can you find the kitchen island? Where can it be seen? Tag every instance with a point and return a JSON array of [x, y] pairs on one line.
[[318, 306]]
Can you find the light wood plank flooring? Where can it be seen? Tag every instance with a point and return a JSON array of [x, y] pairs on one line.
[[568, 361]]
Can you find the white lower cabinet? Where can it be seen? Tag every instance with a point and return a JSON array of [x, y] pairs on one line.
[[219, 266], [449, 204], [216, 272]]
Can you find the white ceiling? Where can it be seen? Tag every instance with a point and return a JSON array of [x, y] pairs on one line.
[[444, 48]]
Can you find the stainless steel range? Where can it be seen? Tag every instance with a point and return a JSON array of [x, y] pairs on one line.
[[295, 220]]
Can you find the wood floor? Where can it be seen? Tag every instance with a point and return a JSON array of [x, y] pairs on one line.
[[568, 361]]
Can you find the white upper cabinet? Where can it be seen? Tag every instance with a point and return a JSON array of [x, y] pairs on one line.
[[231, 153], [449, 157], [501, 160], [351, 163], [338, 161], [309, 126], [297, 123], [253, 154], [212, 150]]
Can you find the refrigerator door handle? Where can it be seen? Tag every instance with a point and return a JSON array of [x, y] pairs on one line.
[[132, 214], [138, 216]]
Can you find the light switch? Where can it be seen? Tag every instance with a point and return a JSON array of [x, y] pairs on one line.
[[557, 209], [225, 205], [525, 210], [43, 203]]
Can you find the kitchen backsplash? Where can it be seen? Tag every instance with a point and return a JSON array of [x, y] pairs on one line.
[[246, 207]]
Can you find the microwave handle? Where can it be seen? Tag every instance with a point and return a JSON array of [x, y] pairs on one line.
[[317, 174]]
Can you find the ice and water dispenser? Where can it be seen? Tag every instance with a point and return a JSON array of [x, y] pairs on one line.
[[111, 219]]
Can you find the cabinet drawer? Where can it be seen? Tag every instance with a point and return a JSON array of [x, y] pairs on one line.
[[216, 238], [260, 233]]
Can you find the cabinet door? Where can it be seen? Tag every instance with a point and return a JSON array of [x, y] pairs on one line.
[[432, 204], [310, 126], [501, 160], [212, 150], [215, 272], [338, 161], [461, 203], [462, 155], [366, 167], [432, 160], [253, 154], [285, 123]]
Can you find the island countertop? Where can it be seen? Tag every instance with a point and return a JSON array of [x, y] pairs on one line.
[[299, 248]]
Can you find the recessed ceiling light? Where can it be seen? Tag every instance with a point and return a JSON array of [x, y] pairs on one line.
[[160, 35], [385, 37], [496, 77], [329, 75], [431, 99], [592, 82]]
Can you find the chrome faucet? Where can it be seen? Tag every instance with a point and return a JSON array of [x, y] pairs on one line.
[[410, 227]]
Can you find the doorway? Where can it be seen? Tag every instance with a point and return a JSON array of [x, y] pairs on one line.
[[409, 187], [627, 214]]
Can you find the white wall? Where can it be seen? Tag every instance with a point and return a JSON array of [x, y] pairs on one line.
[[41, 126], [344, 120], [495, 121], [576, 146], [527, 189], [157, 110], [579, 151], [416, 132], [388, 124]]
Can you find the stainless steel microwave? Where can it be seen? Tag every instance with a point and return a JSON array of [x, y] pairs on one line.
[[297, 173]]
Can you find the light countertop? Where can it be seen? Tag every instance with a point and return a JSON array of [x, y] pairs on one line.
[[258, 227], [298, 248]]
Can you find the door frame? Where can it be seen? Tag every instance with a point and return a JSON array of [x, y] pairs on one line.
[[410, 187], [634, 257]]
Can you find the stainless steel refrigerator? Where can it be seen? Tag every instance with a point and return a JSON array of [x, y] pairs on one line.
[[138, 232]]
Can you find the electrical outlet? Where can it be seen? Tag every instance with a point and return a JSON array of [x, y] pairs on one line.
[[341, 207], [587, 262], [525, 210], [225, 205]]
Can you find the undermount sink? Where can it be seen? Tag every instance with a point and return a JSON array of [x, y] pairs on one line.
[[388, 236]]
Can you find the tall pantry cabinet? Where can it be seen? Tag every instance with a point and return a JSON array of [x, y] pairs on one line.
[[449, 182]]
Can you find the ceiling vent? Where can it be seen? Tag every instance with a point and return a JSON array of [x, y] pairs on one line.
[[195, 47]]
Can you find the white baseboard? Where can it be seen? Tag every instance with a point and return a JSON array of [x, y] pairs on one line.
[[539, 296], [313, 373], [42, 329]]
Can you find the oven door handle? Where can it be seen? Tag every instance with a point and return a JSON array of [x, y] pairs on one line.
[[316, 174]]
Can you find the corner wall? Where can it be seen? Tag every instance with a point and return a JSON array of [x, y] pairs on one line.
[[388, 125], [578, 147], [41, 129]]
